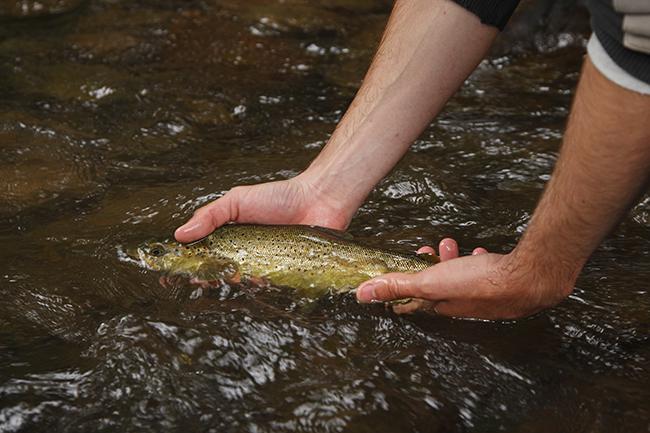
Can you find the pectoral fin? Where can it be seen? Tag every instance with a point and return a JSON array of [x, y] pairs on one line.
[[403, 301], [219, 269], [415, 305]]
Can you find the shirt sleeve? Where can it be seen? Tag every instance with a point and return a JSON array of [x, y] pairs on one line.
[[494, 13], [608, 22]]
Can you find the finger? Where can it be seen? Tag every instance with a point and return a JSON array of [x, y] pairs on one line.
[[447, 309], [389, 287], [448, 249], [203, 284], [426, 250], [479, 250], [206, 219], [473, 310], [463, 310]]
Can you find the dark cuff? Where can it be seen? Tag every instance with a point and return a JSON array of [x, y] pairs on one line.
[[634, 63], [608, 26], [494, 13]]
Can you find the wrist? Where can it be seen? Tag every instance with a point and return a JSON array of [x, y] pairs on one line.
[[327, 185], [322, 206], [544, 279]]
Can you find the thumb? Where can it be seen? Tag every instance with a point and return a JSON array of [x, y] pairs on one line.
[[207, 219], [389, 287]]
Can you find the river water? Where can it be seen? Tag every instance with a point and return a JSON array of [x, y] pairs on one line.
[[119, 118]]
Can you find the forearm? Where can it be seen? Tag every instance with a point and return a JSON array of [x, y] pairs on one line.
[[603, 166], [428, 50]]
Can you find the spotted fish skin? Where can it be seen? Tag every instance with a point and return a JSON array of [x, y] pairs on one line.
[[307, 258]]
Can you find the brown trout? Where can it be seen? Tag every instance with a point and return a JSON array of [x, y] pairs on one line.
[[307, 258]]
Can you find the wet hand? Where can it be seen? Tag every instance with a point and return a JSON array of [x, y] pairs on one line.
[[294, 201], [483, 285]]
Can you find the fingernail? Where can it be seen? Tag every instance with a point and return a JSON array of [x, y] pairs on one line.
[[367, 292], [189, 227]]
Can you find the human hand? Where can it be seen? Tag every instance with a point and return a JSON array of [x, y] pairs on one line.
[[293, 201], [483, 285]]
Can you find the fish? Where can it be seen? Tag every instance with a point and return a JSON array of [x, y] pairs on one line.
[[311, 259]]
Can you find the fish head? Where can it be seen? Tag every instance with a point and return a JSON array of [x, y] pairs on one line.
[[155, 255], [159, 256]]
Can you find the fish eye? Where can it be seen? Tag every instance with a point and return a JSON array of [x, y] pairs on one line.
[[157, 251]]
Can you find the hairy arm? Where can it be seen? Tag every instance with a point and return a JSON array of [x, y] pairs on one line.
[[603, 166]]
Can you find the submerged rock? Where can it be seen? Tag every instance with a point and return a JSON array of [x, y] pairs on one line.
[[102, 45], [85, 83], [39, 164]]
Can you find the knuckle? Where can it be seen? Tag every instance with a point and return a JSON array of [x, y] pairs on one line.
[[397, 287], [414, 286], [235, 191], [393, 288], [200, 212]]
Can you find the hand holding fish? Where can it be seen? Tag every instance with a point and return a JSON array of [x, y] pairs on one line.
[[483, 285], [293, 201]]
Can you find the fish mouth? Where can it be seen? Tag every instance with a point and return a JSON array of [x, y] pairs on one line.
[[130, 255], [133, 253]]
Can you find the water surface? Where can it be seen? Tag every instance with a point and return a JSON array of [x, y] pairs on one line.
[[119, 118]]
